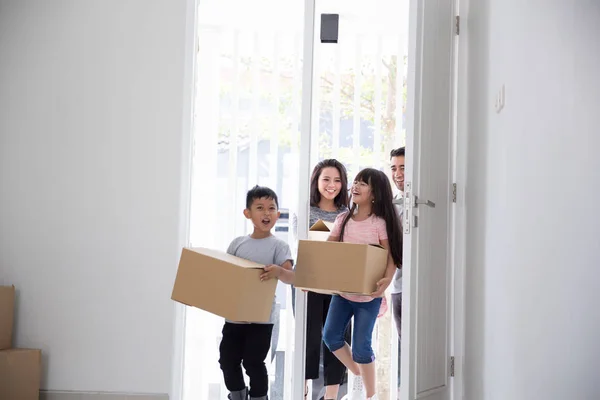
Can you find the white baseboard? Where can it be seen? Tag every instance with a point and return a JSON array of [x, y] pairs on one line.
[[67, 395]]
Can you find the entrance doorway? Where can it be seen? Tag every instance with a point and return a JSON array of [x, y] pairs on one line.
[[262, 115]]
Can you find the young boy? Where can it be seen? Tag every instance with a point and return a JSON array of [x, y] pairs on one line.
[[247, 344]]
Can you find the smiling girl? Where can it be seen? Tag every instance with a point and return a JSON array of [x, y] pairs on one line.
[[372, 219]]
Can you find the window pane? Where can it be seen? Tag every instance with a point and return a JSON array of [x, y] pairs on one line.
[[246, 116]]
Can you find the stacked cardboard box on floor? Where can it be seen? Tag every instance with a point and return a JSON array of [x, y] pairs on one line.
[[20, 369]]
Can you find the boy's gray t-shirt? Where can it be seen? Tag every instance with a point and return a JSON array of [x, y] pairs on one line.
[[270, 250]]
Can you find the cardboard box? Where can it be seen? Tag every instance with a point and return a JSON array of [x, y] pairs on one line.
[[7, 313], [320, 230], [334, 267], [20, 372], [224, 285]]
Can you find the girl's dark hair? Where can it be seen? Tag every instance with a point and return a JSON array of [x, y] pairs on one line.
[[382, 207], [341, 200]]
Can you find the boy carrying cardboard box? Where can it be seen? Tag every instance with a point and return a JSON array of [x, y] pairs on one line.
[[248, 344], [239, 286]]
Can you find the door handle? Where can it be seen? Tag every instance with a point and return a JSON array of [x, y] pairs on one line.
[[427, 203]]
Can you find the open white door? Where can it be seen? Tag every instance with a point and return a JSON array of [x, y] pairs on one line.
[[427, 263]]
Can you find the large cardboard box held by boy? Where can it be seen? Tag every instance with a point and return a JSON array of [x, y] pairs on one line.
[[20, 369], [224, 285], [334, 267]]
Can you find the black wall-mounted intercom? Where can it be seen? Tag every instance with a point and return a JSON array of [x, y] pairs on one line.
[[330, 24]]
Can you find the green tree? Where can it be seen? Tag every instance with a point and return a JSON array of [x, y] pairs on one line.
[[264, 80], [369, 109]]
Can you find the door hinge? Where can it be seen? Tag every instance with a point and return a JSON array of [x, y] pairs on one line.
[[407, 217], [454, 192], [457, 25], [452, 366]]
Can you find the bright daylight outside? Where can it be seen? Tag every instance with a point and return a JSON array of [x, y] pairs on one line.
[[247, 129]]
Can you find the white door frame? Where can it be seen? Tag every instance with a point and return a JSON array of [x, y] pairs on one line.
[[459, 226], [187, 127], [458, 314], [308, 43]]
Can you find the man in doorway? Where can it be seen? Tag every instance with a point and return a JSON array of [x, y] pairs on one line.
[[397, 170]]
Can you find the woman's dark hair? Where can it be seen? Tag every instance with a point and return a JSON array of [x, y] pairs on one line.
[[382, 207], [341, 200]]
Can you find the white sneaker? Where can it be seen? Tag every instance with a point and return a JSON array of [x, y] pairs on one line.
[[374, 397], [358, 389]]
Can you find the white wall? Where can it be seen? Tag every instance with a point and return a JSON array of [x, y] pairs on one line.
[[91, 96], [533, 196]]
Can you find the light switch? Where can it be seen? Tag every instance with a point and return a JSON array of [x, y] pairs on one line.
[[499, 100]]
